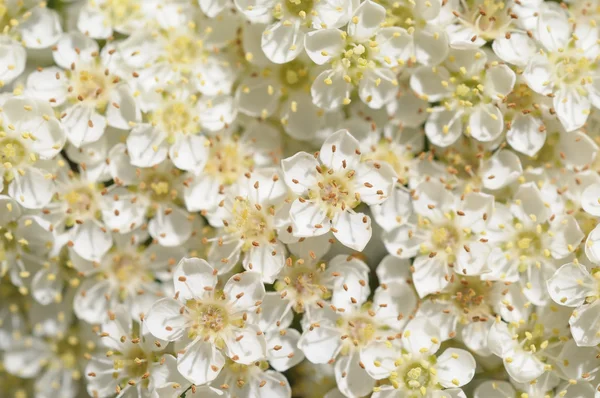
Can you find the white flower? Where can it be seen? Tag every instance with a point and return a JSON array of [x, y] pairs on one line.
[[212, 324], [283, 40], [414, 370], [416, 32], [527, 240], [331, 186], [30, 136], [360, 57], [100, 19], [24, 243], [480, 21], [125, 276], [469, 91], [231, 155], [28, 24], [526, 347], [282, 341], [182, 54], [252, 212], [153, 193], [174, 128], [254, 380], [566, 69], [53, 365], [90, 95], [133, 364], [76, 210], [572, 285], [467, 307], [446, 233], [348, 327]]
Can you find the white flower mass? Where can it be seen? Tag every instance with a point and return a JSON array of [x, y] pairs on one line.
[[300, 198]]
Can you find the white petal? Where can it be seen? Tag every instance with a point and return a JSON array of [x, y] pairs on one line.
[[572, 108], [430, 276], [352, 379], [538, 74], [282, 43], [499, 81], [431, 44], [494, 389], [300, 172], [74, 48], [524, 134], [486, 123], [502, 169], [12, 59], [93, 22], [193, 277], [244, 290], [321, 344], [198, 362], [189, 152], [127, 111], [369, 16], [322, 45], [421, 336], [147, 146], [267, 260], [90, 241], [427, 81], [246, 345], [32, 190], [443, 128], [553, 30], [340, 151], [330, 89], [515, 50], [83, 124], [524, 366], [383, 354], [455, 367], [288, 355], [584, 325], [170, 229], [41, 29], [378, 87], [353, 230], [165, 321], [308, 219]]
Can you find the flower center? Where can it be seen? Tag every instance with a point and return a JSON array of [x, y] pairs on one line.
[[82, 204], [159, 186], [528, 243], [488, 18], [359, 331], [250, 222], [92, 85], [302, 283], [177, 117], [227, 159], [395, 155], [8, 241], [294, 74], [444, 237], [208, 318], [334, 191], [119, 11], [400, 13], [12, 152], [414, 375], [301, 8]]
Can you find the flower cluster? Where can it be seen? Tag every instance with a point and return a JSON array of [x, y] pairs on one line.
[[300, 198]]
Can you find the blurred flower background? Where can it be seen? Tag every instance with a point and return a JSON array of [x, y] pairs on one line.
[[299, 198]]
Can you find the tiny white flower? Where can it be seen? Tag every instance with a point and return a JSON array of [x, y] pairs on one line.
[[331, 186], [212, 324]]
